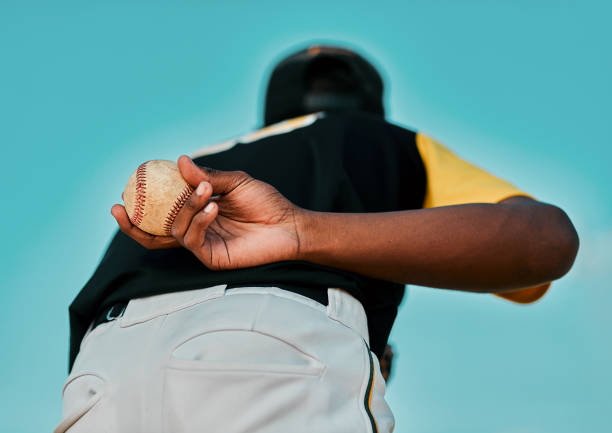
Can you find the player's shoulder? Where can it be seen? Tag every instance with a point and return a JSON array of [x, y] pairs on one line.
[[280, 128], [325, 124]]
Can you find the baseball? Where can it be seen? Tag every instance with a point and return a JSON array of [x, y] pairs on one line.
[[154, 195]]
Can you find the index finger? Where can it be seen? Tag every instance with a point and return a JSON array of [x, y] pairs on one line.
[[222, 182], [147, 240]]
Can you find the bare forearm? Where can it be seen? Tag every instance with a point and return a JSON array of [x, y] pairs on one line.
[[474, 247]]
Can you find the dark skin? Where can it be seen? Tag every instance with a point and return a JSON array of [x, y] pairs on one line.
[[480, 247]]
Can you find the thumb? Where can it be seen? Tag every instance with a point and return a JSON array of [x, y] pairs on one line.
[[222, 182]]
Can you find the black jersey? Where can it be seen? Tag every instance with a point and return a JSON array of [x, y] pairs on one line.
[[324, 162]]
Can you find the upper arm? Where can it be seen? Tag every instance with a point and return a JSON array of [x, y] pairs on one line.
[[452, 180]]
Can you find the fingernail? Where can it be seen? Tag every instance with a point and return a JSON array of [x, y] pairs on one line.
[[200, 189], [209, 207]]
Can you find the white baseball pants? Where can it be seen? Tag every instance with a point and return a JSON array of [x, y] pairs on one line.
[[257, 359]]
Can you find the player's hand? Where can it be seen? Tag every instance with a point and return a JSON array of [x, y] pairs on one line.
[[246, 223], [147, 240]]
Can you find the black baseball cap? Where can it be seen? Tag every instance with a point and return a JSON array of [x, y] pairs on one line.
[[322, 78]]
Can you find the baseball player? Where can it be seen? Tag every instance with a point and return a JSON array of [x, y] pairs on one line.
[[269, 307]]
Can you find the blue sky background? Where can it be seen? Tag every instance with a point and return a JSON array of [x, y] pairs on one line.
[[89, 90]]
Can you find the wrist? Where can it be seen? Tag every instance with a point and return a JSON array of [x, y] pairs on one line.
[[307, 226]]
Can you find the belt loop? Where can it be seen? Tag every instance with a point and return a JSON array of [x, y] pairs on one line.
[[115, 311], [344, 308]]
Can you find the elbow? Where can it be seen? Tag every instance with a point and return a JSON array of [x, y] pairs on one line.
[[559, 243]]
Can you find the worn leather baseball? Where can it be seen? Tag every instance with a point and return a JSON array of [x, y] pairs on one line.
[[154, 195]]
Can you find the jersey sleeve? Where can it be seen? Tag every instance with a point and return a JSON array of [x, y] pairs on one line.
[[452, 180]]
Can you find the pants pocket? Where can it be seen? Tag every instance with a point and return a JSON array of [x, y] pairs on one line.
[[243, 350], [81, 397], [238, 381]]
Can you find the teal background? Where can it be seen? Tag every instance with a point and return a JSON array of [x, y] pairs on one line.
[[89, 90]]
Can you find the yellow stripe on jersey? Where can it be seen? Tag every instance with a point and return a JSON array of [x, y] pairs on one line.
[[451, 180]]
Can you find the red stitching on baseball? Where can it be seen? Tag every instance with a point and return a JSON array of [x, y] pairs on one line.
[[141, 189], [178, 204]]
